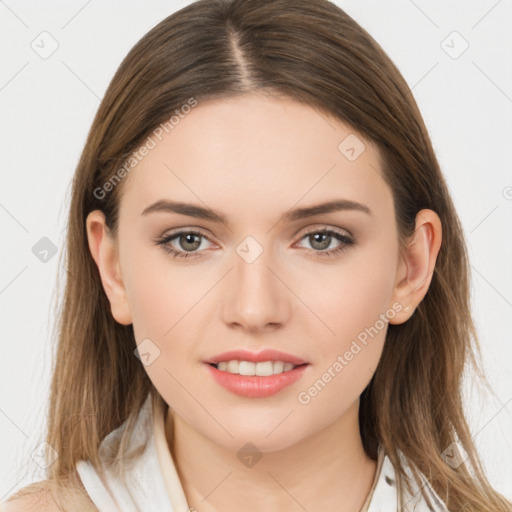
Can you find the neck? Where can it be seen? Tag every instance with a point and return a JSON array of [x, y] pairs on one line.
[[326, 471]]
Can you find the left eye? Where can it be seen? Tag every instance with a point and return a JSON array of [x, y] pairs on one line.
[[191, 241], [321, 240]]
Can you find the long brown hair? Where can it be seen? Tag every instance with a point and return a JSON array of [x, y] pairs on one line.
[[312, 51]]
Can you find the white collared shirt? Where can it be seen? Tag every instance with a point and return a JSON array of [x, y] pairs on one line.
[[153, 484]]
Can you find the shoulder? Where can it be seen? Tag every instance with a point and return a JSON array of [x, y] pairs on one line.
[[41, 500], [40, 497]]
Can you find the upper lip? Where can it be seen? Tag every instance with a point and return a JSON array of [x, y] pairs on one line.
[[256, 357]]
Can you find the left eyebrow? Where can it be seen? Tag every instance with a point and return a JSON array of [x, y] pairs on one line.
[[322, 208], [191, 210]]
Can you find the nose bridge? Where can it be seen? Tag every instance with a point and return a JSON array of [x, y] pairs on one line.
[[256, 296]]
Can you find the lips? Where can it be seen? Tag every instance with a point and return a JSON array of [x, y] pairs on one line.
[[256, 357], [255, 386]]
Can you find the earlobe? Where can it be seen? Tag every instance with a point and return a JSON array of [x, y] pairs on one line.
[[417, 264], [104, 251]]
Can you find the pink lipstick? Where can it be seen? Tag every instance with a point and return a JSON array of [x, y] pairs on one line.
[[256, 375]]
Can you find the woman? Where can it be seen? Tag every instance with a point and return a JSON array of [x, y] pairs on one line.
[[268, 296]]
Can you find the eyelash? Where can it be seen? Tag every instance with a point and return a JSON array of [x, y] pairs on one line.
[[347, 242]]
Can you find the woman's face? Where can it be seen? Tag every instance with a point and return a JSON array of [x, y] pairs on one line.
[[257, 280]]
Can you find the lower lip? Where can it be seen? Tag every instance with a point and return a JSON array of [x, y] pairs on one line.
[[254, 386]]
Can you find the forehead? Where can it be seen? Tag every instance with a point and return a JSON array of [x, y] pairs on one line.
[[255, 156]]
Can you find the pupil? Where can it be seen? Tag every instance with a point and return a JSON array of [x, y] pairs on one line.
[[323, 244], [189, 239]]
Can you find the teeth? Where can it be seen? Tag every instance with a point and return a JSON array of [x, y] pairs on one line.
[[262, 369]]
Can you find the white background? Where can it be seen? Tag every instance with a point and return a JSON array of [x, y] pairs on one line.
[[47, 106]]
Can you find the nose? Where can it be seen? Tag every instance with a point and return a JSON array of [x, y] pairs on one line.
[[255, 298]]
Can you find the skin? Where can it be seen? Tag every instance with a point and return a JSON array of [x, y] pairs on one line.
[[252, 158]]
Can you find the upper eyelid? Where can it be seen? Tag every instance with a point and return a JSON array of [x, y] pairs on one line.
[[341, 231], [198, 231]]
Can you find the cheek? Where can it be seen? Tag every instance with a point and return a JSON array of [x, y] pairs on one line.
[[152, 301], [350, 296], [161, 293], [165, 304], [353, 303], [168, 303]]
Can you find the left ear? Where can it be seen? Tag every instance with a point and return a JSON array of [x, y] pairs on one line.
[[416, 264]]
